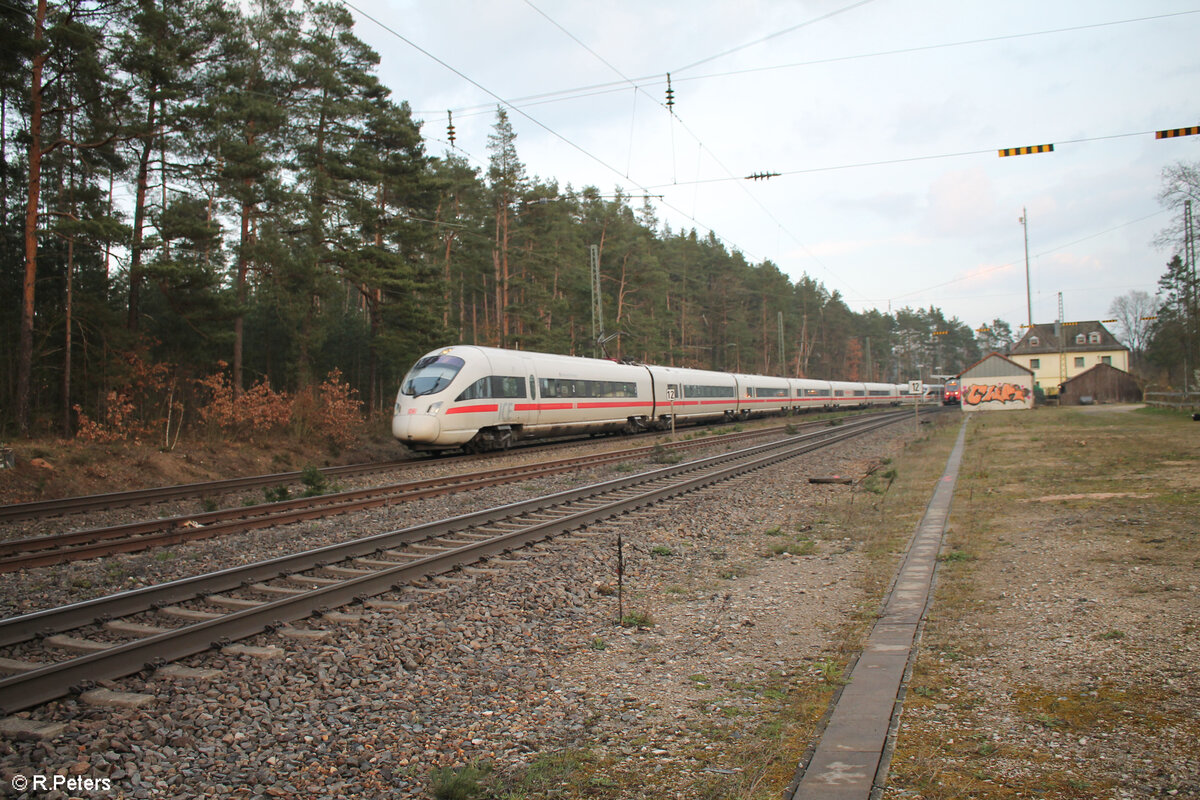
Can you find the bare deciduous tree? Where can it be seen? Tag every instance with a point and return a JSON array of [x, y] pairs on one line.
[[1131, 311]]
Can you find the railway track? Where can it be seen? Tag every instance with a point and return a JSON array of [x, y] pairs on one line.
[[42, 551], [134, 497], [57, 507], [122, 634]]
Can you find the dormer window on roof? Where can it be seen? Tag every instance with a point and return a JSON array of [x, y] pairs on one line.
[[1094, 337], [1080, 338], [1034, 341]]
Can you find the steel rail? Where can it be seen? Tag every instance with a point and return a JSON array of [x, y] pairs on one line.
[[42, 551], [65, 505], [92, 502], [53, 680], [27, 626]]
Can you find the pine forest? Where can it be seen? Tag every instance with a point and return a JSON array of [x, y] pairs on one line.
[[212, 208]]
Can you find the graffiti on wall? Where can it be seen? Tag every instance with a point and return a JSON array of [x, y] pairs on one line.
[[995, 393]]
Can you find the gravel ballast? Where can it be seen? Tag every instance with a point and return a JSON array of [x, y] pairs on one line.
[[502, 667]]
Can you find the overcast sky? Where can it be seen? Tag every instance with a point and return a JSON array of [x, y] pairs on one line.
[[882, 117]]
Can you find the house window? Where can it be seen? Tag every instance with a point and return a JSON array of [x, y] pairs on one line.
[[1079, 361], [1080, 338], [1034, 341], [1094, 337], [1035, 363], [1106, 360]]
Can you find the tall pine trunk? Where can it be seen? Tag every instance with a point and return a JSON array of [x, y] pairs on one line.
[[139, 215], [25, 345], [243, 270]]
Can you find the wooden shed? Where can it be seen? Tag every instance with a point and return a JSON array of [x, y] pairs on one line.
[[1100, 384], [996, 383]]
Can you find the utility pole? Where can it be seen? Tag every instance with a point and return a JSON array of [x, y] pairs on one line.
[[1061, 334], [782, 369], [1024, 220], [1189, 265], [597, 300]]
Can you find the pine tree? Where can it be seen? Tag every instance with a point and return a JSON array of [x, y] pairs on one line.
[[159, 53], [386, 252], [506, 179], [71, 104], [336, 84], [243, 135]]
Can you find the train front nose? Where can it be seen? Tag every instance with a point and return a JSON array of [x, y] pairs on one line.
[[412, 426]]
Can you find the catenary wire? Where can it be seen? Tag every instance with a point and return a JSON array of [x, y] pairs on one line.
[[775, 35], [535, 121], [703, 148], [659, 79]]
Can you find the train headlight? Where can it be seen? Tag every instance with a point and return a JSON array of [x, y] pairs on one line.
[[433, 409]]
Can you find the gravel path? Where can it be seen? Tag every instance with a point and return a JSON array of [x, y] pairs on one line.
[[1060, 659]]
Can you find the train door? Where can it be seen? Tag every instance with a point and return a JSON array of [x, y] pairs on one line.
[[527, 410]]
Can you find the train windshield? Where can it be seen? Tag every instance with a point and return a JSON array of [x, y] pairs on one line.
[[431, 374]]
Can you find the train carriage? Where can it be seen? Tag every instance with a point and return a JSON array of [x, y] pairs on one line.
[[808, 394], [760, 394], [847, 394], [693, 395], [882, 394], [486, 398]]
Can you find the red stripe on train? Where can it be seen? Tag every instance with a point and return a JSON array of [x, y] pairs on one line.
[[473, 409]]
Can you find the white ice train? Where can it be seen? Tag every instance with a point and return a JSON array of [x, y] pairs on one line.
[[484, 398]]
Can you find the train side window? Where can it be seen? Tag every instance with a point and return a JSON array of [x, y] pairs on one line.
[[532, 389], [507, 387], [476, 390], [494, 386]]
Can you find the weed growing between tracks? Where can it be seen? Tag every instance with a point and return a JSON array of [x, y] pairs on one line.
[[1059, 656]]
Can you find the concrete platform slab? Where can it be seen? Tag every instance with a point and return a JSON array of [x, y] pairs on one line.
[[848, 761]]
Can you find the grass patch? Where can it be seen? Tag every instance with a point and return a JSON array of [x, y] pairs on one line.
[[799, 547], [276, 494], [638, 619], [661, 455], [461, 783]]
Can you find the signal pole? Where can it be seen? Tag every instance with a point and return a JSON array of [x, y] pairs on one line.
[[1024, 220]]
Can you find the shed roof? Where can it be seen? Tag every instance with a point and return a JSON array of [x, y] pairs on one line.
[[1091, 372], [994, 365]]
